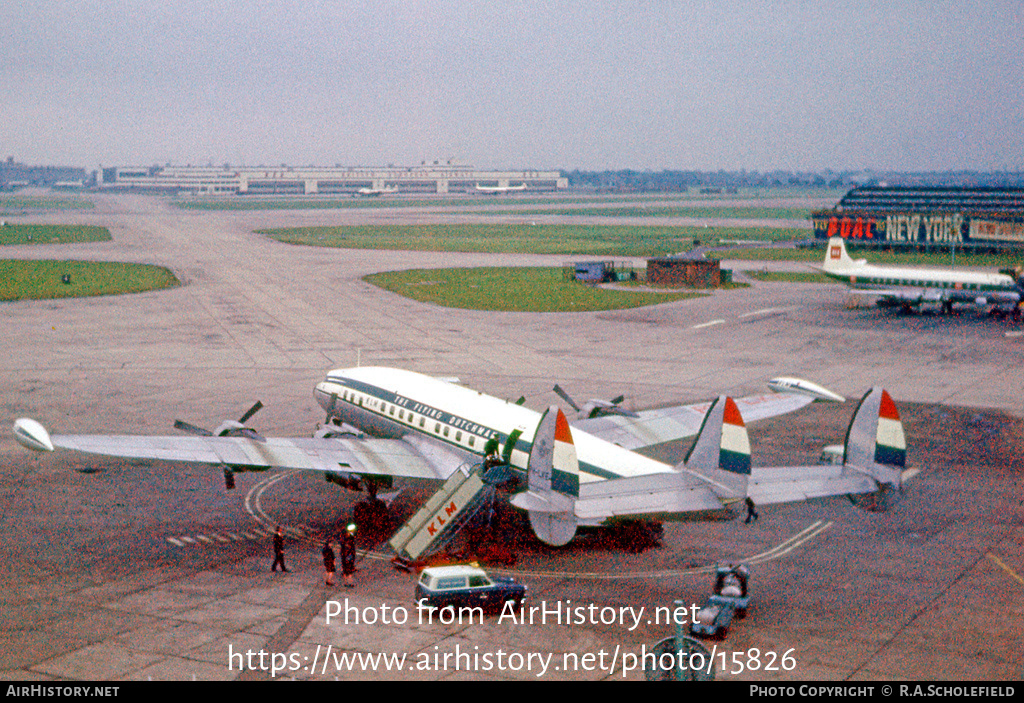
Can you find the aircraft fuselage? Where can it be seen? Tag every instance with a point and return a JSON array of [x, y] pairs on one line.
[[394, 403], [912, 286]]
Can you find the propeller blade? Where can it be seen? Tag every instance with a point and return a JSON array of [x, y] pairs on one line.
[[565, 396], [191, 429], [250, 412]]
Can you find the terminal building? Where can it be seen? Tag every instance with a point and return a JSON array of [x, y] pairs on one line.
[[974, 219], [313, 180]]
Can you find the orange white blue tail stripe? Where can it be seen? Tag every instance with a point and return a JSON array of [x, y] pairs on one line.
[[565, 474], [735, 454], [890, 443]]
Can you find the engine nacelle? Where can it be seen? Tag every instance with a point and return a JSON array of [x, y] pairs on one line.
[[349, 482]]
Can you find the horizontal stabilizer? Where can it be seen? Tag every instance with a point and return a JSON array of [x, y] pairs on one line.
[[874, 456], [549, 502], [655, 495]]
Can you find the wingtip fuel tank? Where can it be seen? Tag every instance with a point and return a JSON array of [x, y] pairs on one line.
[[32, 435], [783, 384]]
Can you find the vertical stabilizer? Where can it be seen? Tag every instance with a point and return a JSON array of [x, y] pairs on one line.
[[553, 480], [721, 453], [875, 443], [836, 258]]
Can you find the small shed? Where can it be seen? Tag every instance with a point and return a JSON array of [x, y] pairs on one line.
[[675, 271]]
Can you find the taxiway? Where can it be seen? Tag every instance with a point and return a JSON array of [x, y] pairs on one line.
[[100, 584]]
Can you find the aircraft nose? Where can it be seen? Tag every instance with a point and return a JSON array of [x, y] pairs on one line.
[[325, 395]]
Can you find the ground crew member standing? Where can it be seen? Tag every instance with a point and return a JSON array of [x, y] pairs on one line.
[[279, 550], [328, 563], [348, 555]]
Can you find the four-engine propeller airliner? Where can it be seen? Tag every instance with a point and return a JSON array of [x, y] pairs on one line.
[[910, 287], [423, 427]]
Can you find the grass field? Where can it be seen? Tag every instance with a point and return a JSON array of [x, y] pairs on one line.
[[52, 234], [513, 290], [789, 276], [17, 202], [40, 280], [570, 240], [701, 211]]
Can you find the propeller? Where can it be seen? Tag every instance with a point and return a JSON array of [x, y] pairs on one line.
[[228, 428], [595, 407], [191, 429], [256, 407]]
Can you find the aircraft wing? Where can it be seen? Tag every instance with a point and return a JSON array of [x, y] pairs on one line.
[[414, 458], [651, 427], [910, 295]]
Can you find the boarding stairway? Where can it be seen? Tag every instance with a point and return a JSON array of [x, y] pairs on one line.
[[467, 492]]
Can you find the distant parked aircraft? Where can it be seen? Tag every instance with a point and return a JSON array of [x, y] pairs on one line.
[[374, 192], [910, 287], [500, 189]]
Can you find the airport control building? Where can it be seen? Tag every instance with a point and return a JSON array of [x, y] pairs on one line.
[[312, 180], [977, 219]]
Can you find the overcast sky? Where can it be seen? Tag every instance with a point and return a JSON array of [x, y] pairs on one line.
[[900, 84]]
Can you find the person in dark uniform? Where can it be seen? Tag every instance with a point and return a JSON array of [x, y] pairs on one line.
[[751, 511], [279, 550], [328, 563], [348, 555]]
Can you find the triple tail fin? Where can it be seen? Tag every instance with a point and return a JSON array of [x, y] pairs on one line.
[[721, 453], [553, 480]]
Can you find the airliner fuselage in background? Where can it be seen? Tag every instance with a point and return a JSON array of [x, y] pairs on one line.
[[910, 287]]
